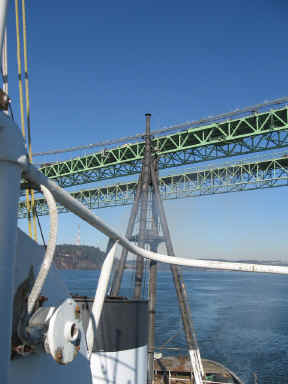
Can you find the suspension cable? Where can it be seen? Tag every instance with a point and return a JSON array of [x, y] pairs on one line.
[[178, 127]]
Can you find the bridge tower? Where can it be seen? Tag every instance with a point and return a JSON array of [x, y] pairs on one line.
[[148, 219]]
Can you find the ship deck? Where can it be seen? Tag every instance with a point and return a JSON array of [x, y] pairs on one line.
[[177, 369]]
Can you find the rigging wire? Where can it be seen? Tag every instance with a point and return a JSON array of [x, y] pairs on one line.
[[164, 345], [11, 111], [145, 284], [19, 65], [40, 228], [131, 286], [26, 77], [20, 86], [29, 192]]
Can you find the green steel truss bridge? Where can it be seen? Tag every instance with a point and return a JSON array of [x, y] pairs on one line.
[[251, 130], [249, 134], [237, 177]]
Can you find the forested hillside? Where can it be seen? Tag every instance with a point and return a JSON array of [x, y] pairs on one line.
[[68, 256]]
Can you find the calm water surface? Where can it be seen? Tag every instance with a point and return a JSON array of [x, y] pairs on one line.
[[240, 318]]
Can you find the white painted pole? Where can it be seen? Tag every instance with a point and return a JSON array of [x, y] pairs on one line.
[[9, 194], [196, 366], [11, 147], [3, 13], [99, 299], [5, 63], [5, 67]]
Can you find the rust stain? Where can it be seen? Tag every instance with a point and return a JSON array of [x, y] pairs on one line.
[[77, 312], [59, 356]]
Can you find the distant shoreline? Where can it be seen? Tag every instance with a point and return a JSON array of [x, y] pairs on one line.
[[84, 257]]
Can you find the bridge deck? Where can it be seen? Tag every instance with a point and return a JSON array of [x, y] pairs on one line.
[[248, 134]]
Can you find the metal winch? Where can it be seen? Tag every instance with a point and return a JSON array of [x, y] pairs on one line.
[[57, 331]]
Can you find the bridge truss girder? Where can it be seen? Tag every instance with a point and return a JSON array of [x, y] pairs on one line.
[[233, 178], [254, 133]]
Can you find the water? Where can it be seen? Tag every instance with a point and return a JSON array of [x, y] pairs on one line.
[[240, 318]]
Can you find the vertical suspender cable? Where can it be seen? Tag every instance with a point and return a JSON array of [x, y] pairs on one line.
[[24, 25]]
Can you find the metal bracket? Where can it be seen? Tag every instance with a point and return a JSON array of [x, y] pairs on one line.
[[64, 335]]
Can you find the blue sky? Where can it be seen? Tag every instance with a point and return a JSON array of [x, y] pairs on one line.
[[97, 67]]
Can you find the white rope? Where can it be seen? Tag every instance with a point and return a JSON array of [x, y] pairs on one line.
[[99, 299], [49, 255]]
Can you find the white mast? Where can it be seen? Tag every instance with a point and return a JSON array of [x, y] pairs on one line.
[[5, 63], [11, 148], [3, 13]]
